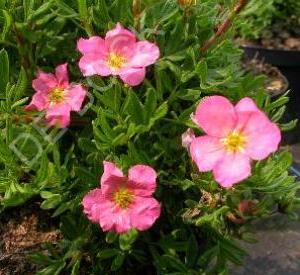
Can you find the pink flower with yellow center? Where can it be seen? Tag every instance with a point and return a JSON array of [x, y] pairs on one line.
[[235, 135], [123, 203], [119, 54], [55, 95]]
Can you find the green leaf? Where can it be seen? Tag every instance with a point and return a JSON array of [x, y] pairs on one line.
[[51, 202], [192, 251], [21, 85], [174, 263], [118, 262], [41, 11], [126, 240], [4, 71], [107, 253], [7, 24], [134, 108], [111, 237]]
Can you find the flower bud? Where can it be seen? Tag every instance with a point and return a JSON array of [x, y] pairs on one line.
[[187, 137], [186, 3]]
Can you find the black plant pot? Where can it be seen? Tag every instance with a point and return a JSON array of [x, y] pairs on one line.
[[288, 62]]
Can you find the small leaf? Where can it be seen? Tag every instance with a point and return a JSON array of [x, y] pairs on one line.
[[107, 253], [4, 71], [126, 240]]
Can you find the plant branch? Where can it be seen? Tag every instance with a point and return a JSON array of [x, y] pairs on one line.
[[224, 27], [136, 10]]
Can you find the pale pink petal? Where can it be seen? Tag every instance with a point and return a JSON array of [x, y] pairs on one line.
[[120, 219], [76, 96], [112, 177], [94, 45], [187, 137], [117, 31], [62, 76], [103, 211], [93, 64], [58, 115], [144, 212], [216, 116], [121, 41], [206, 151], [232, 169], [142, 180], [133, 76], [246, 105], [145, 54], [38, 102], [44, 82], [263, 136], [94, 197]]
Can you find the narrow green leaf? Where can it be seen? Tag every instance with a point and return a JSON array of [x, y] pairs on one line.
[[7, 24], [4, 71]]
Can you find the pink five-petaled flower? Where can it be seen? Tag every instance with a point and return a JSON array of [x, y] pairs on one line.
[[55, 95], [235, 135], [118, 54], [123, 203]]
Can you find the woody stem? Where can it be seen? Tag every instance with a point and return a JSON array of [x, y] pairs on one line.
[[224, 26]]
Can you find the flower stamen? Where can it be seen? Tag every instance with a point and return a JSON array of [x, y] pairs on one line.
[[116, 61], [235, 142], [57, 95], [123, 197]]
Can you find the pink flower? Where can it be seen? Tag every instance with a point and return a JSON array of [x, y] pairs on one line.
[[235, 135], [55, 95], [187, 137], [117, 54], [123, 203]]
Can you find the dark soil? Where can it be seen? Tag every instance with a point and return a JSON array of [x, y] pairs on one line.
[[275, 83], [23, 231]]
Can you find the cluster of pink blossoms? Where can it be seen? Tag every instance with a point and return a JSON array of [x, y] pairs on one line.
[[119, 54], [235, 135]]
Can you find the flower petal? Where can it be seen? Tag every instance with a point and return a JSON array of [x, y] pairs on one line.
[[44, 82], [206, 151], [103, 211], [216, 116], [76, 97], [142, 180], [144, 213], [232, 169], [38, 102], [94, 45], [61, 73], [246, 105], [58, 115], [263, 136], [120, 219], [145, 54], [121, 41], [94, 197], [112, 177], [133, 76], [93, 64]]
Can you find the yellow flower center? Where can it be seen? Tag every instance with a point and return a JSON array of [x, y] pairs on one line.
[[57, 95], [116, 61], [123, 197], [234, 142]]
